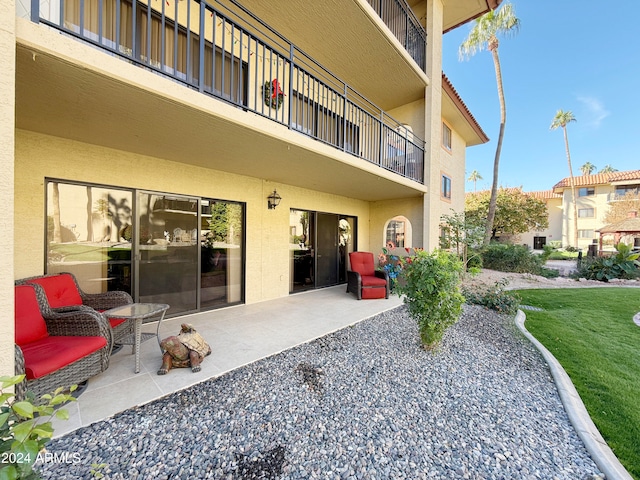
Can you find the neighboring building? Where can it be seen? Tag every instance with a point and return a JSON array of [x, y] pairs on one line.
[[539, 239], [595, 194], [142, 139]]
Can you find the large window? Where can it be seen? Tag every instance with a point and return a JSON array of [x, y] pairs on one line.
[[181, 250], [89, 233], [586, 233], [586, 191]]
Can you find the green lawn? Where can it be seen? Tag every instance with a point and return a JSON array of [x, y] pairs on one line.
[[591, 333]]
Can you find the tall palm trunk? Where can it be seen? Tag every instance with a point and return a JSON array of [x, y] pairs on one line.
[[573, 189], [493, 47]]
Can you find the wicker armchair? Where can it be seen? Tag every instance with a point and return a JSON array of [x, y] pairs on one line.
[[56, 349], [64, 294]]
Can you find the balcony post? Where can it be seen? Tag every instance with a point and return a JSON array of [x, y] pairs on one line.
[[201, 51], [344, 119], [291, 72], [35, 11]]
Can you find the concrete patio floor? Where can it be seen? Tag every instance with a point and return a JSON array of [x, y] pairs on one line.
[[237, 335]]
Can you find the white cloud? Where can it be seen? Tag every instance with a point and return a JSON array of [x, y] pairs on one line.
[[595, 111]]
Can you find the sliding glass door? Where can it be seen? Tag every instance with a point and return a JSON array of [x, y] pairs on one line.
[[168, 250], [319, 247]]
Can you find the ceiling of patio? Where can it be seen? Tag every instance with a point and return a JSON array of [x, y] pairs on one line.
[[60, 98]]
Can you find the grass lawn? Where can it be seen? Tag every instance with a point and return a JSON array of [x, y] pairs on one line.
[[591, 333]]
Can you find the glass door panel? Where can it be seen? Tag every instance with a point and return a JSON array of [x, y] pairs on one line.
[[221, 253], [301, 250], [168, 251], [89, 234], [346, 244], [327, 245]]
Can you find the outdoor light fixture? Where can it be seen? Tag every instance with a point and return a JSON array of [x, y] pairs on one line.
[[273, 200]]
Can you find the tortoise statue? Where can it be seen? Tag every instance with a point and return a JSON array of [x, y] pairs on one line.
[[186, 349]]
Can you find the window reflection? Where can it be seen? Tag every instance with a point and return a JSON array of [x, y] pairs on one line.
[[89, 231], [221, 252]]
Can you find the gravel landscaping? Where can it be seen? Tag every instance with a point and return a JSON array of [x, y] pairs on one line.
[[366, 402]]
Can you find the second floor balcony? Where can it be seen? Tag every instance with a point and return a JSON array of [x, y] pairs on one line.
[[227, 53]]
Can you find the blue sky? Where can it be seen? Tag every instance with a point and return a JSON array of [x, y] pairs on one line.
[[569, 54]]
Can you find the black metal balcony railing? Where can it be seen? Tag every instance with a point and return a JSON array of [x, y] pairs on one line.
[[234, 56], [402, 22]]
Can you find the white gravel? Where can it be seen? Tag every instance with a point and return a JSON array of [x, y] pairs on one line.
[[366, 402]]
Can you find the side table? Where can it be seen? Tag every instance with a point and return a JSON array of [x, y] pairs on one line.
[[137, 312]]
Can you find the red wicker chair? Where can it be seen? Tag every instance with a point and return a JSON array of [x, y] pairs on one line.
[[64, 294], [56, 349], [364, 280]]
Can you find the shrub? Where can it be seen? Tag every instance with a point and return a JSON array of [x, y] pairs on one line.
[[548, 272], [474, 260], [494, 297], [547, 251], [511, 258], [25, 428], [624, 265], [431, 286]]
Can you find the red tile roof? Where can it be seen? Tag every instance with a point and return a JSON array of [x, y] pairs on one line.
[[597, 179], [448, 87], [544, 194]]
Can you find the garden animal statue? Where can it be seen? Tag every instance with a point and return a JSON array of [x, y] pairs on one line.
[[186, 349]]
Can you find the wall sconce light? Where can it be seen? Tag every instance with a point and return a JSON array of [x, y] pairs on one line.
[[273, 200]]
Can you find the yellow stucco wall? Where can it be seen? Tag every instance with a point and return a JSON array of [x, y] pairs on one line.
[[267, 231], [7, 127], [382, 212]]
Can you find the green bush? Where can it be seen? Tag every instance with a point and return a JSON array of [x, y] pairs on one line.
[[547, 251], [494, 297], [474, 260], [511, 258], [624, 265], [25, 428], [431, 289]]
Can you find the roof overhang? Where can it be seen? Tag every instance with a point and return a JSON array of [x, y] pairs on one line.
[[459, 116], [462, 11]]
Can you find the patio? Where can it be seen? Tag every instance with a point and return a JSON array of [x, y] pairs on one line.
[[237, 335]]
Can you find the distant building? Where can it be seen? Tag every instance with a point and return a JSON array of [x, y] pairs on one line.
[[595, 193]]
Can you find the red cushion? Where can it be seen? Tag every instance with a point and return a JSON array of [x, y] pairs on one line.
[[29, 324], [362, 262], [116, 321], [373, 293], [52, 353], [373, 281], [61, 290]]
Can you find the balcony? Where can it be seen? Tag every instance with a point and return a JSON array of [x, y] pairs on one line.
[[399, 17], [227, 53]]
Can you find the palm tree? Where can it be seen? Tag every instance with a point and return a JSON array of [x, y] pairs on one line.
[[588, 168], [484, 34], [608, 169], [560, 120], [474, 177]]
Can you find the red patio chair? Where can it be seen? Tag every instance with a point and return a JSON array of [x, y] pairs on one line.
[[64, 294], [364, 280], [56, 349]]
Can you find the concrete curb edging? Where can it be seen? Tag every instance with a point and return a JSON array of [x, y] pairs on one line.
[[607, 462]]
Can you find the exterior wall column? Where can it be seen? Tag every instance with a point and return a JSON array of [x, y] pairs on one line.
[[7, 155], [433, 123]]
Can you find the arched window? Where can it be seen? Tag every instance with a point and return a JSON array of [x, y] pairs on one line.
[[397, 233]]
